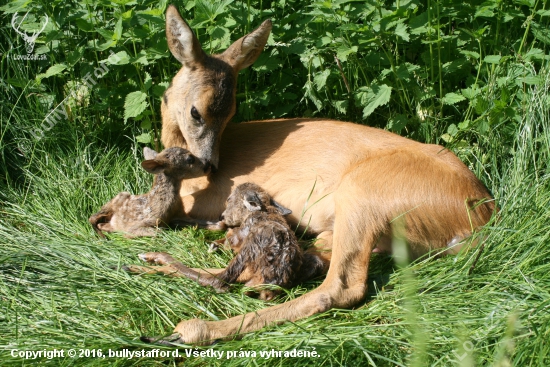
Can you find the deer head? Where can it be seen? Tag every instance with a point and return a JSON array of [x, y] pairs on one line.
[[200, 101]]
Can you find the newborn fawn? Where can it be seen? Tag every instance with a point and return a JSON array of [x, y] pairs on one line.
[[141, 215]]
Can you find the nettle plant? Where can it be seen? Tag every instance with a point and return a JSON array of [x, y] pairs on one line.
[[435, 70], [427, 67]]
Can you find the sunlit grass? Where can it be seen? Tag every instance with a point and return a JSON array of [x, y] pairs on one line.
[[60, 287]]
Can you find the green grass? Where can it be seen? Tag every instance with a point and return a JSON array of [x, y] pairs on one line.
[[59, 287]]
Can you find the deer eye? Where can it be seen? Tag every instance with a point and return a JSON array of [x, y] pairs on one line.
[[195, 114], [190, 159]]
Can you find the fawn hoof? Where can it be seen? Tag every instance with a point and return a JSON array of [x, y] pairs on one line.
[[159, 340], [213, 247], [194, 332], [217, 226], [161, 258]]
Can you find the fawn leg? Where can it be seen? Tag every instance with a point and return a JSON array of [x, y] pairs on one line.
[[206, 224], [170, 264], [168, 270]]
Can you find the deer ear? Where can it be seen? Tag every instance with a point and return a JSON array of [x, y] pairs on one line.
[[149, 153], [182, 42], [280, 208], [153, 166], [243, 52], [252, 202]]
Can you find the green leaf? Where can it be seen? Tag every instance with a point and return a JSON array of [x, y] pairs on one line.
[[529, 80], [310, 93], [107, 34], [540, 33], [397, 123], [266, 63], [401, 31], [14, 6], [344, 51], [492, 59], [147, 82], [118, 30], [85, 25], [376, 97], [455, 65], [134, 104], [229, 22], [146, 124], [485, 11], [419, 24], [17, 82], [470, 93], [481, 105], [464, 125], [452, 98], [320, 79], [534, 54], [75, 56], [158, 90], [52, 70], [472, 54], [341, 106], [119, 58], [144, 138], [452, 130]]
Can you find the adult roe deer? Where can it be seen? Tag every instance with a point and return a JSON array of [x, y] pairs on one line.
[[360, 179]]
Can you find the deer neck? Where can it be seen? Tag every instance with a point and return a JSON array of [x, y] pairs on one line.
[[165, 193]]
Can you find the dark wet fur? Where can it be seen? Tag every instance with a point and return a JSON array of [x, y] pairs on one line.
[[267, 249]]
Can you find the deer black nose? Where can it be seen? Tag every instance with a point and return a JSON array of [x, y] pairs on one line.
[[222, 217]]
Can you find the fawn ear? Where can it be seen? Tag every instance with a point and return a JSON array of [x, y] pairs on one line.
[[182, 42], [149, 153], [252, 202], [153, 166], [280, 208], [244, 51]]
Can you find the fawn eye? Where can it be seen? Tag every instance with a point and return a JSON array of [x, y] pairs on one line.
[[190, 159], [195, 114]]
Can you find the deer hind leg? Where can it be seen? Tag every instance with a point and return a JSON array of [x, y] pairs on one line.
[[354, 235]]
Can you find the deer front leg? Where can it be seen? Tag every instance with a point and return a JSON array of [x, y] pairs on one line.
[[344, 286]]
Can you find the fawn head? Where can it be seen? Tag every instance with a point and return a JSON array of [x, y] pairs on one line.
[[174, 162], [245, 199]]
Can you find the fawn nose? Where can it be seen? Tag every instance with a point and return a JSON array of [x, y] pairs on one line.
[[222, 217], [207, 167]]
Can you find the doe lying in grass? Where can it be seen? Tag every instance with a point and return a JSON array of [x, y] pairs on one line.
[[141, 215]]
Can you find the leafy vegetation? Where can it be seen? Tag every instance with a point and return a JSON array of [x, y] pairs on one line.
[[472, 76]]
